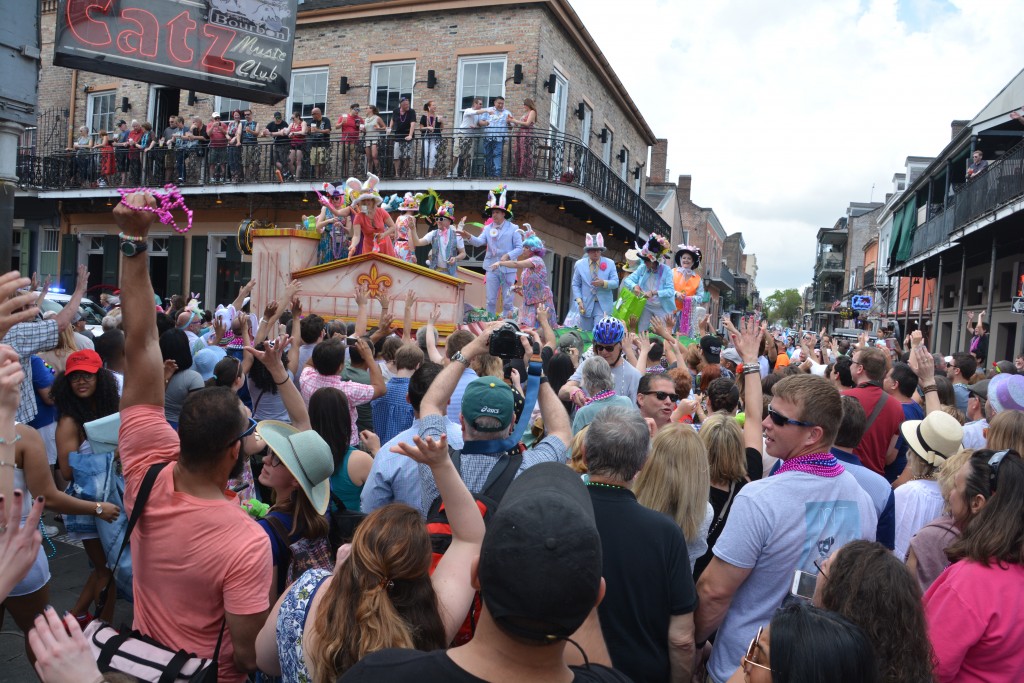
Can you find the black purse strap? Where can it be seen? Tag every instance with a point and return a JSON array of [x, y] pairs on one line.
[[140, 502], [733, 488]]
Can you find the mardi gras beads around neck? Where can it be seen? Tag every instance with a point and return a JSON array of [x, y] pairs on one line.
[[166, 203]]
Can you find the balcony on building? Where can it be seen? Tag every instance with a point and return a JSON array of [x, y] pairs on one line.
[[554, 169]]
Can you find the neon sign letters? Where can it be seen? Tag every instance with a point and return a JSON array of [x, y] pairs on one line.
[[232, 48]]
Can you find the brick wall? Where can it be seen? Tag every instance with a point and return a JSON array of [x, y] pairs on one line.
[[525, 34]]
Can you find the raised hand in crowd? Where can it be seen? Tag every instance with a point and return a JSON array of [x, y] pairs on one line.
[[19, 543], [15, 308], [62, 653]]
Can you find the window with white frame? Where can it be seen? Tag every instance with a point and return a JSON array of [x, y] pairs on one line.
[[309, 90], [225, 105], [587, 125], [100, 114], [390, 82], [51, 240], [606, 150], [557, 116], [482, 77], [624, 163]]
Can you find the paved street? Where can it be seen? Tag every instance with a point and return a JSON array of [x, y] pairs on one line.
[[68, 568]]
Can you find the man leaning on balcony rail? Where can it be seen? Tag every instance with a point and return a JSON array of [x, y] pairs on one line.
[[979, 164]]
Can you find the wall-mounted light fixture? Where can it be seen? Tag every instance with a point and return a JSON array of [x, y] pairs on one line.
[[517, 74], [604, 135], [551, 84], [192, 99], [125, 105], [622, 154], [431, 78], [581, 111]]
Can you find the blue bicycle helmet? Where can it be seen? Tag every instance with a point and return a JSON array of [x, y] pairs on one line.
[[608, 331]]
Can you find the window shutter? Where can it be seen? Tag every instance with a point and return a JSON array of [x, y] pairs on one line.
[[68, 262], [175, 264], [111, 259], [197, 270]]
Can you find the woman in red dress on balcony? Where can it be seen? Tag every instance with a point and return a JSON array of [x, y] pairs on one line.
[[523, 137], [375, 226]]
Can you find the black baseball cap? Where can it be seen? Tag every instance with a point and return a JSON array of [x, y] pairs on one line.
[[540, 561], [278, 115], [711, 346]]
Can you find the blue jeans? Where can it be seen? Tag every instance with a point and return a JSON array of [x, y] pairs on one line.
[[493, 149]]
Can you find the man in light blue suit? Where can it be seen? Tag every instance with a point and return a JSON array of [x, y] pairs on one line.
[[504, 243], [594, 280]]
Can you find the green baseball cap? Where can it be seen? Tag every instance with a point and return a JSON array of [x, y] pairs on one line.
[[488, 397]]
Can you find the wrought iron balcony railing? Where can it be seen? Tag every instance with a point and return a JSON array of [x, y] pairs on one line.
[[298, 164], [831, 261]]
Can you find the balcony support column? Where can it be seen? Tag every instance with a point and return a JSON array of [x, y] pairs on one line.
[[934, 343], [906, 313], [10, 134], [924, 286], [957, 342], [991, 294]]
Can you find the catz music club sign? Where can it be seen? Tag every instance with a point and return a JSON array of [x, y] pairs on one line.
[[233, 48]]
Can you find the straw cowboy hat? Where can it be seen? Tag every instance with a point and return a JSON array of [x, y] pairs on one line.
[[936, 438]]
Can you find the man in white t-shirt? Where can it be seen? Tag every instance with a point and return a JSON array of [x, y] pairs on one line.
[[788, 521], [465, 143]]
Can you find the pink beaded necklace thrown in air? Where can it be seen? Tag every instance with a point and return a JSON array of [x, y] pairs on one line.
[[818, 464], [166, 203]]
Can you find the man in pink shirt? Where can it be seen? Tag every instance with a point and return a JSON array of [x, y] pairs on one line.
[[200, 563], [327, 362]]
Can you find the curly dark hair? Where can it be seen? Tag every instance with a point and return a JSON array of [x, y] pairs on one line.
[[870, 587], [259, 374], [103, 402]]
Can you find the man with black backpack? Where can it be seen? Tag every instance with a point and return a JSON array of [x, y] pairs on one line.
[[487, 422]]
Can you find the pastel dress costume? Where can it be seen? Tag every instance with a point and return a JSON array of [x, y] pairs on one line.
[[536, 290], [444, 244], [597, 301], [691, 286], [371, 226], [333, 242], [659, 280], [500, 241], [403, 247]]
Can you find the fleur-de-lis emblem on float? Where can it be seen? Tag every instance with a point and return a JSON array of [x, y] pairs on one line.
[[375, 282]]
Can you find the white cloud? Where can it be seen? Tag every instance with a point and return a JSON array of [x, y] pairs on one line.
[[784, 113]]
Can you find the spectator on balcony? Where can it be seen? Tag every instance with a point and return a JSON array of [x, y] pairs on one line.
[[134, 159], [192, 140], [979, 164], [278, 130], [250, 134], [235, 145], [523, 152], [403, 122], [217, 132], [350, 125], [319, 141], [83, 156], [979, 340], [496, 120], [171, 137], [465, 142], [108, 165], [430, 124], [374, 127], [121, 151], [150, 158], [297, 131]]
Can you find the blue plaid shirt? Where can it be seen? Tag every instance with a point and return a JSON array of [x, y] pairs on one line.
[[394, 477], [26, 339], [476, 467], [392, 413]]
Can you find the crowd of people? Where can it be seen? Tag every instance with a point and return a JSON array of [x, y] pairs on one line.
[[310, 500], [478, 141]]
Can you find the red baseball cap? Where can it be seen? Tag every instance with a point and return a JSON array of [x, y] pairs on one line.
[[83, 361]]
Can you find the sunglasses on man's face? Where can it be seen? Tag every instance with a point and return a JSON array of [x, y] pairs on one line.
[[781, 420], [661, 395], [604, 348]]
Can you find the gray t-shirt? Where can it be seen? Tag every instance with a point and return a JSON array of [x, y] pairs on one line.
[[266, 404], [625, 377], [777, 525], [178, 388]]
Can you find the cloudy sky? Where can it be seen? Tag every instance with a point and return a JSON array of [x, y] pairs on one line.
[[785, 112]]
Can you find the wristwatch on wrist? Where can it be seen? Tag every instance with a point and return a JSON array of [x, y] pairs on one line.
[[460, 358], [132, 248], [99, 509]]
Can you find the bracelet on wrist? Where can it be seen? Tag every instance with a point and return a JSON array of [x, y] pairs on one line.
[[131, 238], [282, 381]]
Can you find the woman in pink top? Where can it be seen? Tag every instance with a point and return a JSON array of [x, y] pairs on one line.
[[973, 608]]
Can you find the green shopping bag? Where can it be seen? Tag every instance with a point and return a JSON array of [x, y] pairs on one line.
[[629, 304]]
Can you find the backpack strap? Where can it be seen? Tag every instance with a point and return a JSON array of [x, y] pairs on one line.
[[286, 552], [882, 400], [140, 503], [501, 476]]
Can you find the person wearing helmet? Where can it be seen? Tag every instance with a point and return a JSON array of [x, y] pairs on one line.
[[609, 334]]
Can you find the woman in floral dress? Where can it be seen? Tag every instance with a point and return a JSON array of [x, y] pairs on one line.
[[534, 282], [331, 224], [406, 229]]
